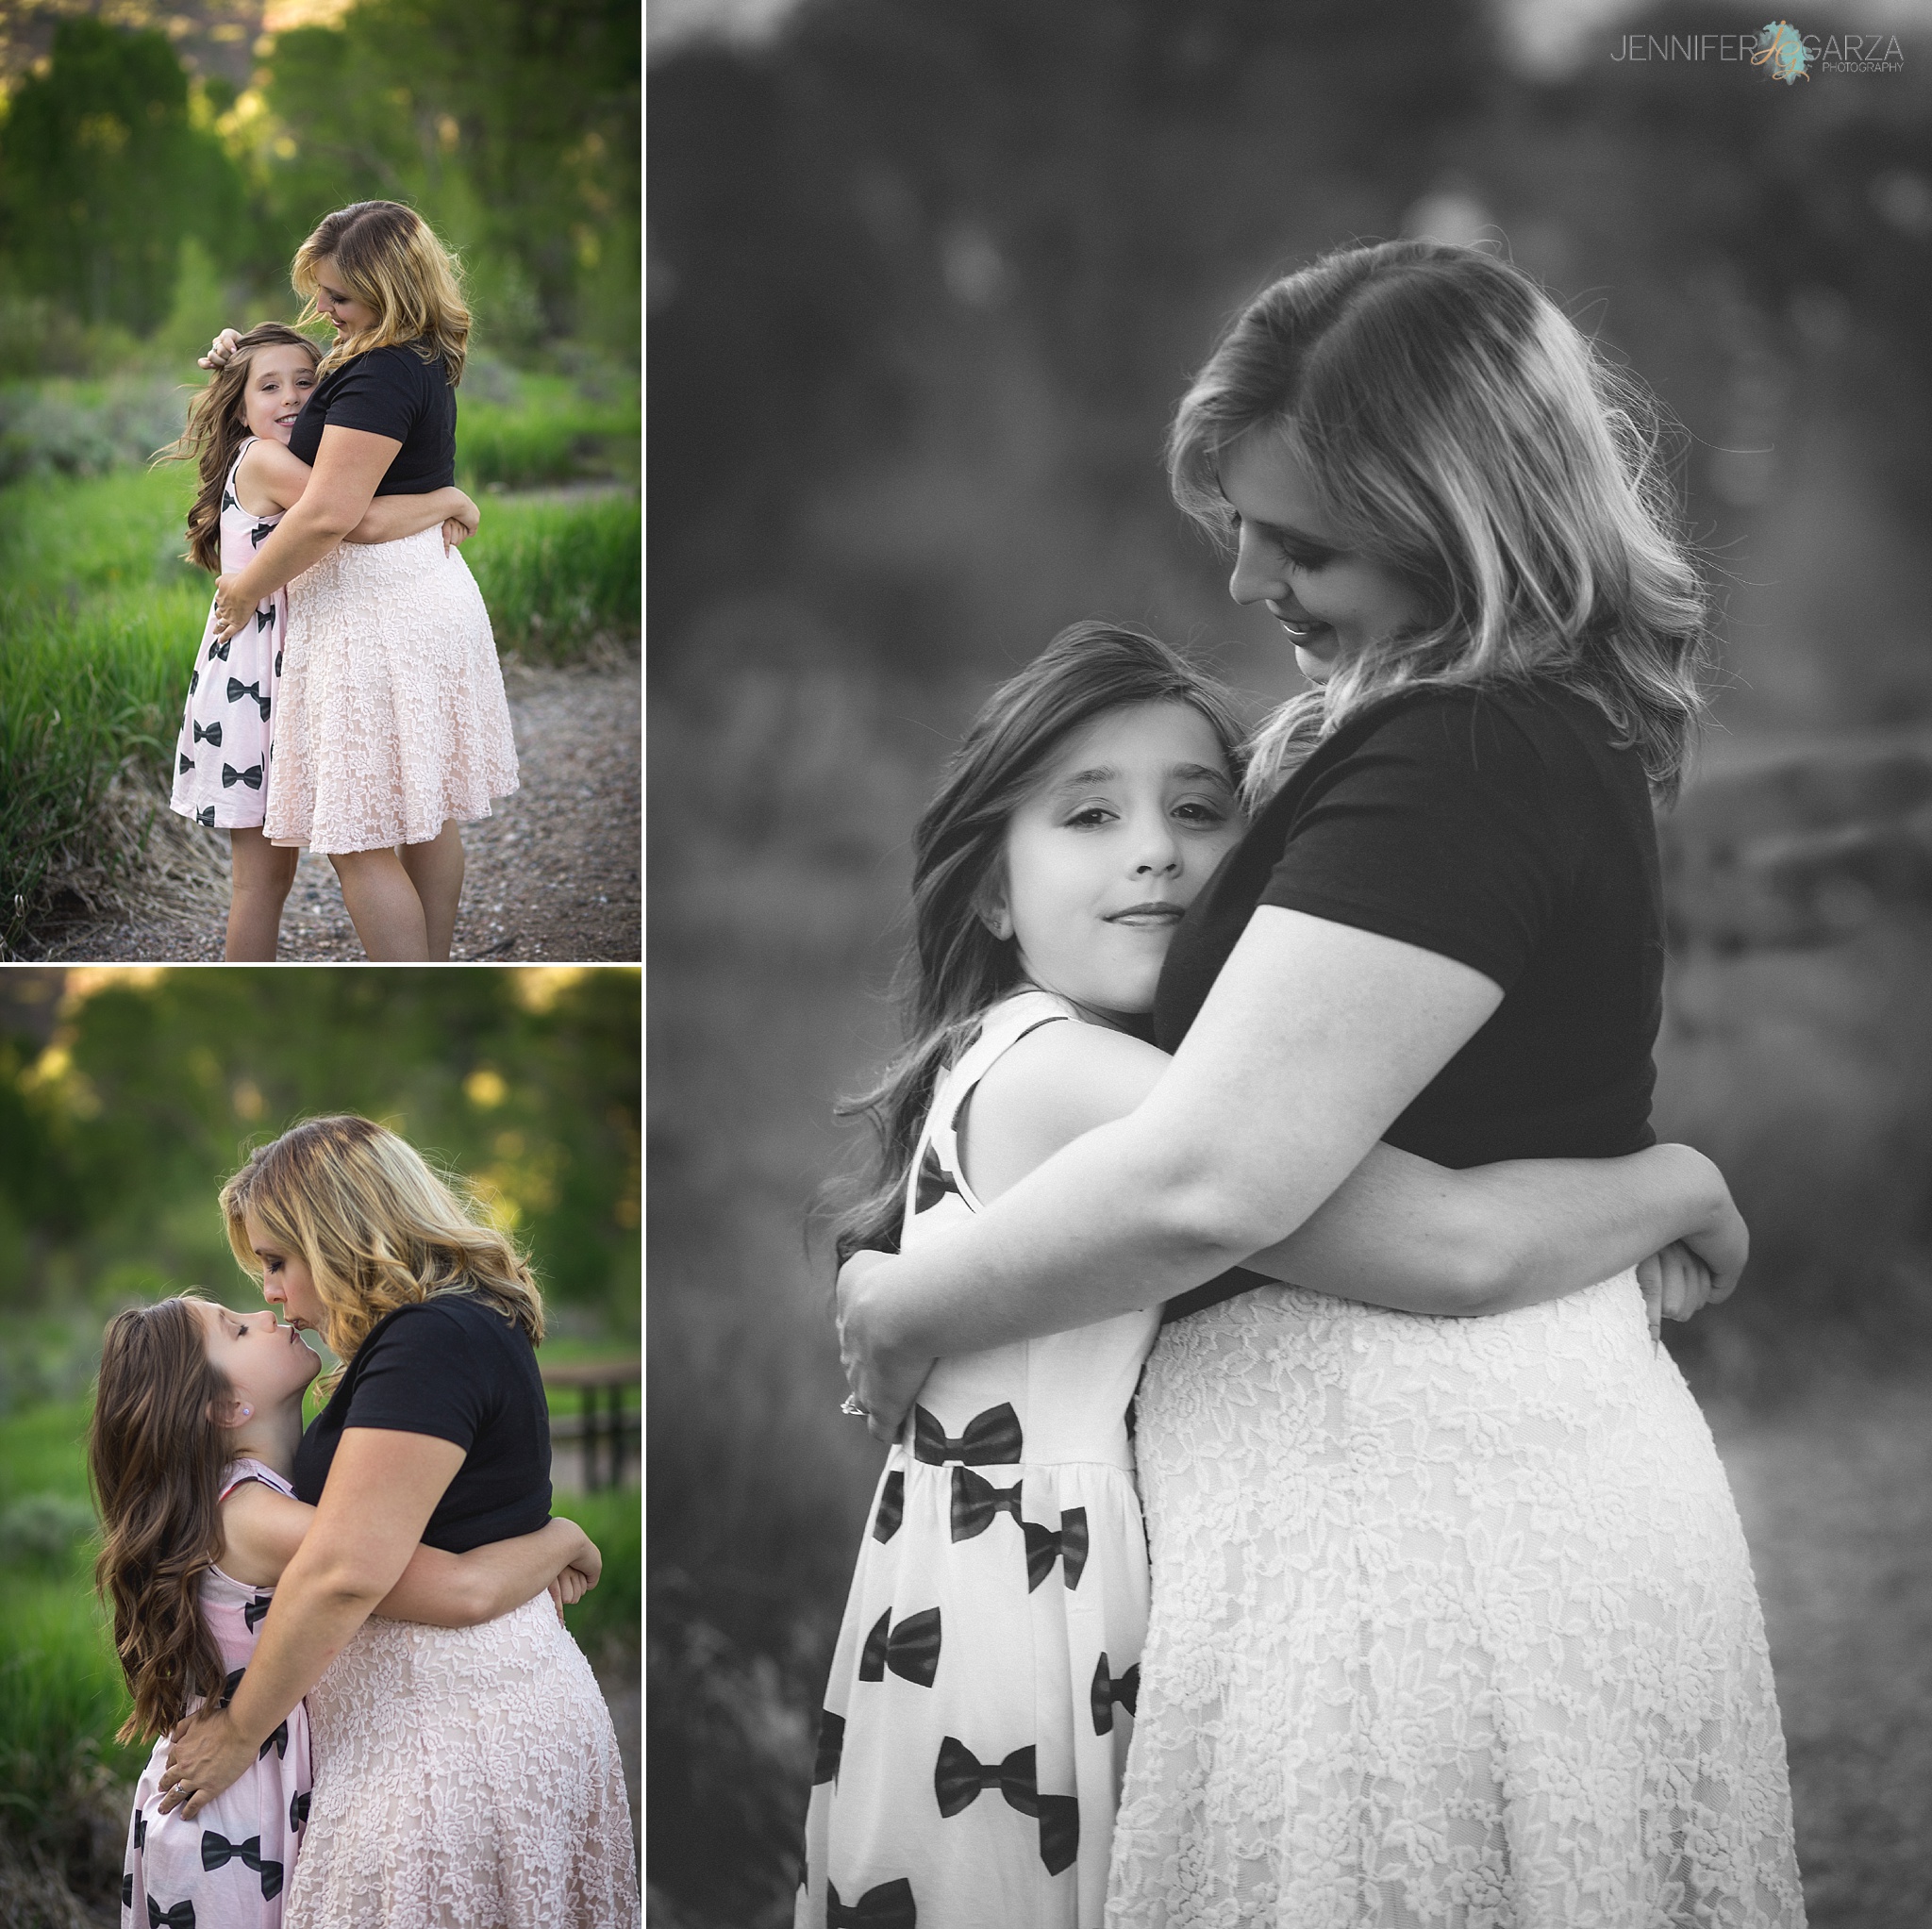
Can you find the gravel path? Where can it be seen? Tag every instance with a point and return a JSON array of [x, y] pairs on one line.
[[552, 876]]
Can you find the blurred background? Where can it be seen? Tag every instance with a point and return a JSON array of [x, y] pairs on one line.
[[127, 1095], [158, 166], [924, 279]]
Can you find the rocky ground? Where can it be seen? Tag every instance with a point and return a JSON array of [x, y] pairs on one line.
[[554, 874]]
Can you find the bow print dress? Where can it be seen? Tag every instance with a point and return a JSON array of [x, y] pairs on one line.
[[221, 755], [229, 1868], [982, 1691]]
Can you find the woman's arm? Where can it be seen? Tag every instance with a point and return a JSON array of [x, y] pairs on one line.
[[382, 1488], [348, 465], [1315, 1037], [276, 478], [263, 1529]]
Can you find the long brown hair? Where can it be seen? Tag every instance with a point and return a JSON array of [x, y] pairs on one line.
[[155, 1455], [954, 968], [217, 426], [376, 1228], [393, 261], [1463, 433]]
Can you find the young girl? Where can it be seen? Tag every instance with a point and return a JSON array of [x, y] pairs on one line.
[[196, 1421], [984, 1684], [238, 433], [394, 729]]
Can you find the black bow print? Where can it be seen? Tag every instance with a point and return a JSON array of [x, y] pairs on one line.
[[279, 662], [187, 763], [957, 1778], [253, 1612], [298, 1811], [976, 1501], [237, 691], [212, 734], [1069, 1545], [831, 1747], [220, 650], [228, 502], [888, 1906], [935, 1181], [891, 1511], [251, 776], [193, 681], [261, 533], [139, 1829], [230, 1682], [1107, 1691], [216, 1851], [264, 615], [278, 1741], [207, 817], [180, 1916], [127, 1889], [991, 1438], [912, 1650]]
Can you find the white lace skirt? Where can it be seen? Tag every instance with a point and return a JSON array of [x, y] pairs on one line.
[[1453, 1625], [389, 716], [465, 1778]]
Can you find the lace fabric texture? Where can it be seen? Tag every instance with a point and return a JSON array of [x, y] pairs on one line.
[[390, 717], [1454, 1625], [465, 1778]]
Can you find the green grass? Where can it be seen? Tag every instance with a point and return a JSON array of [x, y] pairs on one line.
[[550, 434], [554, 573]]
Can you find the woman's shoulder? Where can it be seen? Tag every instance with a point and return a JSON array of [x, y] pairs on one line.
[[1527, 727]]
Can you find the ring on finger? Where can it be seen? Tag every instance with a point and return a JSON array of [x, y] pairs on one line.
[[850, 1405]]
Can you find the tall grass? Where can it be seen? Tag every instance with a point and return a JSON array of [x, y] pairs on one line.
[[554, 573], [551, 432]]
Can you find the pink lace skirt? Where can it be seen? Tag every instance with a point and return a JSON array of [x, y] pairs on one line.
[[465, 1778], [390, 717]]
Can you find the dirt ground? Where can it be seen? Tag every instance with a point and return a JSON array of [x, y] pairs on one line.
[[553, 876]]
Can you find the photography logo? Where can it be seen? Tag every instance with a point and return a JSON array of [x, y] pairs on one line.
[[1781, 48]]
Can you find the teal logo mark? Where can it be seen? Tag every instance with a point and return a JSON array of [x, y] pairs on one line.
[[1780, 48]]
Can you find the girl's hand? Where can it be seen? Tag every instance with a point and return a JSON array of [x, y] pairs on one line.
[[220, 349], [231, 612], [461, 526], [1676, 1284], [205, 1753], [884, 1381], [1723, 1245]]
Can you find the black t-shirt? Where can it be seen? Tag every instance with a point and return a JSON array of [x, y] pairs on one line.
[[454, 1368], [389, 391], [1499, 828]]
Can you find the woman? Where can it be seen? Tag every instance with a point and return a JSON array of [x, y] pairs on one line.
[[1453, 1620], [391, 727], [463, 1776]]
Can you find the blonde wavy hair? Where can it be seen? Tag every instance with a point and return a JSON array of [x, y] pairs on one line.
[[390, 260], [376, 1228], [1461, 432]]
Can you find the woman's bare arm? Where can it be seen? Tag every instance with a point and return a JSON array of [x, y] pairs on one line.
[[271, 478]]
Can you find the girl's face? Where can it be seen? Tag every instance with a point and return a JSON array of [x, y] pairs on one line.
[[279, 379], [1119, 832], [1330, 602], [263, 1361], [333, 299], [285, 1280]]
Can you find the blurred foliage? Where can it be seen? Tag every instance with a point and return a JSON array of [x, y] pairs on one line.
[[116, 1134]]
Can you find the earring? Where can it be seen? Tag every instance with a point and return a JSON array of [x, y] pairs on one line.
[[248, 1413], [1001, 924]]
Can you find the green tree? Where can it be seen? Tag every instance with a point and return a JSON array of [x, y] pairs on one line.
[[104, 172]]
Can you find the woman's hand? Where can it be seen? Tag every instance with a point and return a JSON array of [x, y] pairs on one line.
[[220, 349], [231, 611], [205, 1753], [884, 1381]]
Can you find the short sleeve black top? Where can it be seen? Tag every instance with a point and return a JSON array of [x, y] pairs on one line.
[[1501, 827], [389, 391], [454, 1368]]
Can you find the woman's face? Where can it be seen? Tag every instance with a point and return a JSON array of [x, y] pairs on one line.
[[285, 1280], [1120, 831], [263, 1361], [279, 379], [333, 299], [1330, 602]]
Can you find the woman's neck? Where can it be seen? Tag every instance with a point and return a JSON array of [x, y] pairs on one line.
[[271, 1438]]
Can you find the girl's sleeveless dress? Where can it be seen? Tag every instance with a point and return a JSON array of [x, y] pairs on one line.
[[1454, 1625], [230, 1868], [983, 1688], [392, 718], [221, 755]]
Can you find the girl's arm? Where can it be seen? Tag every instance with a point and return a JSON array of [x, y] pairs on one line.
[[382, 1488], [263, 1529], [348, 465], [271, 474], [1314, 1038]]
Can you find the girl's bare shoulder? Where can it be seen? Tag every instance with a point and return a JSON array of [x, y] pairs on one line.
[[1060, 1080], [260, 1531], [269, 479]]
